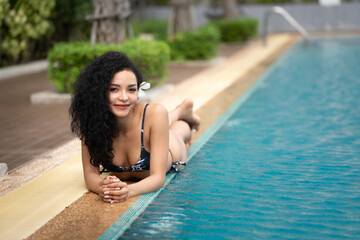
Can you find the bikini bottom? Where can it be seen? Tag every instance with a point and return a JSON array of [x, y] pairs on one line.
[[175, 164]]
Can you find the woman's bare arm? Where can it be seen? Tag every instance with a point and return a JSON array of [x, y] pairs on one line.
[[92, 177]]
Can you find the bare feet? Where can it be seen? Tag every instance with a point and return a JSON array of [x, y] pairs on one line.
[[187, 114]]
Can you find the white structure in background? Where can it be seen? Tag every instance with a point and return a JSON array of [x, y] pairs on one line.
[[282, 12], [329, 2]]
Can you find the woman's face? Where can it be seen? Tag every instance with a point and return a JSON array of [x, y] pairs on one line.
[[123, 93]]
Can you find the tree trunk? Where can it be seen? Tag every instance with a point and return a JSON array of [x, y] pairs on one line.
[[110, 21], [230, 10], [181, 17]]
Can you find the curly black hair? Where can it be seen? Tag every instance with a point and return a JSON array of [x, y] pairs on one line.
[[91, 119]]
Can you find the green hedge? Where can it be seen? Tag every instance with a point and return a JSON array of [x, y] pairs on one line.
[[66, 60], [237, 30], [157, 27], [201, 44]]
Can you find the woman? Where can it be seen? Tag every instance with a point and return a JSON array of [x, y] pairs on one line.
[[127, 138]]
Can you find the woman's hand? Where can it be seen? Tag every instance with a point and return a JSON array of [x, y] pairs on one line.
[[113, 190]]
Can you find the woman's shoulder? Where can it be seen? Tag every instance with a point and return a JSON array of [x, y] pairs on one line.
[[156, 108]]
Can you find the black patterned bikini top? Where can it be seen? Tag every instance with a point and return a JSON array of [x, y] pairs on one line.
[[143, 163]]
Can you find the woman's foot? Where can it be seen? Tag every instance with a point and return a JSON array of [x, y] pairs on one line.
[[187, 114]]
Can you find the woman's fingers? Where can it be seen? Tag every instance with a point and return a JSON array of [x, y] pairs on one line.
[[116, 199], [118, 192], [110, 181], [115, 192], [111, 201], [114, 185]]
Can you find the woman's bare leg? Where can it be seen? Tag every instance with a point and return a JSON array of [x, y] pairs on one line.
[[181, 129], [182, 120], [185, 112], [180, 134]]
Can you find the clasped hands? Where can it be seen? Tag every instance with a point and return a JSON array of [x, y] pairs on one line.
[[113, 190]]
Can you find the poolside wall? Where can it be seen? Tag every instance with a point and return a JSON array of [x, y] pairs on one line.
[[312, 17]]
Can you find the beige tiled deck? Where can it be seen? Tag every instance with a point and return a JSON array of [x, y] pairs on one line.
[[26, 209]]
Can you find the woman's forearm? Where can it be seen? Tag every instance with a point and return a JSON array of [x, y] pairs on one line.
[[93, 182], [147, 185]]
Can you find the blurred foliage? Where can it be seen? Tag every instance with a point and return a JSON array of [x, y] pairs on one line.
[[66, 60], [69, 20], [4, 8], [30, 27], [157, 27], [151, 57], [25, 20], [201, 44], [150, 2], [236, 30], [159, 2], [194, 45]]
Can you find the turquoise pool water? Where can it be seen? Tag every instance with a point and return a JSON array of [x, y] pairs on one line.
[[282, 163]]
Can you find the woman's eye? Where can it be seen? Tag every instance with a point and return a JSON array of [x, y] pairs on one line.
[[113, 89], [132, 89]]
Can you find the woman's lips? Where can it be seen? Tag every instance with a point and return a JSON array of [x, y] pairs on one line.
[[122, 106]]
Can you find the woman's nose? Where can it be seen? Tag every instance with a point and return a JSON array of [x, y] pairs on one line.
[[123, 96]]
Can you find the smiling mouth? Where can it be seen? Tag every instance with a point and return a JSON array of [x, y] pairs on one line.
[[122, 106]]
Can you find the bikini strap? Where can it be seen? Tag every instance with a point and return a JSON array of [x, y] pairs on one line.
[[142, 125]]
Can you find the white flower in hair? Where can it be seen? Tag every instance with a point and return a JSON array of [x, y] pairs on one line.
[[143, 85]]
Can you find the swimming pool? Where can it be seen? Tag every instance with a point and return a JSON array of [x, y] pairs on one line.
[[283, 162]]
